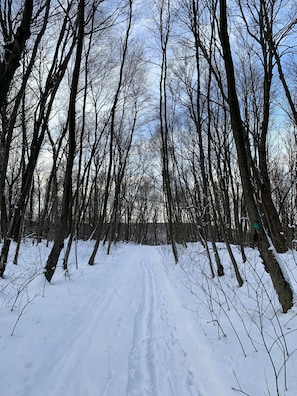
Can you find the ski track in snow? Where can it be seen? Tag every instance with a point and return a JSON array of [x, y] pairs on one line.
[[130, 326], [152, 349], [127, 342]]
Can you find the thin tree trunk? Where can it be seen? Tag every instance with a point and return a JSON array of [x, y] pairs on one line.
[[164, 127], [8, 66], [8, 122], [40, 126], [66, 210], [112, 132]]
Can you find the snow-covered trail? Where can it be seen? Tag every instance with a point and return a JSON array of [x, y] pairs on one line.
[[120, 330]]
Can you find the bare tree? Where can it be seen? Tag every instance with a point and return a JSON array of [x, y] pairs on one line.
[[259, 22], [112, 127], [66, 211], [42, 113], [164, 29], [281, 284]]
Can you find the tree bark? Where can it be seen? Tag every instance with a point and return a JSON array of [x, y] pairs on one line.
[[67, 191], [280, 283], [14, 51], [11, 61], [164, 28], [112, 117]]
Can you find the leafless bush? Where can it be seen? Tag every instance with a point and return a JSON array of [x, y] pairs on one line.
[[253, 306]]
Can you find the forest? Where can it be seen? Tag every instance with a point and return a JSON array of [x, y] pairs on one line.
[[161, 121]]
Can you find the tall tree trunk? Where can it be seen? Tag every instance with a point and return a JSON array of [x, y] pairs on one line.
[[43, 112], [280, 283], [9, 120], [8, 66], [67, 191], [112, 131], [271, 216], [165, 21]]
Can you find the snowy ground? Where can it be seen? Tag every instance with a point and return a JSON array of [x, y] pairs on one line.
[[135, 324]]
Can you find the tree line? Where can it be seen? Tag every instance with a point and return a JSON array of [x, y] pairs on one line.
[[132, 120]]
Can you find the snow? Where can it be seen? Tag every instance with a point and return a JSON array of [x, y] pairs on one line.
[[136, 324]]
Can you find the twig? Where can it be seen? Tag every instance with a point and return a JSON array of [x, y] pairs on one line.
[[21, 313]]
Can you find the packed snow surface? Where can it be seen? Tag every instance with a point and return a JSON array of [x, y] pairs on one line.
[[136, 324]]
